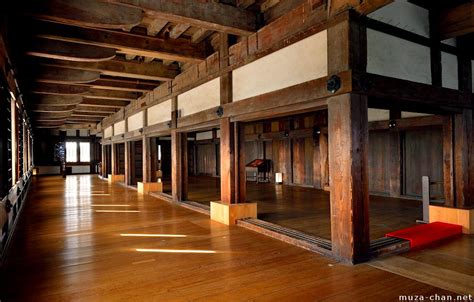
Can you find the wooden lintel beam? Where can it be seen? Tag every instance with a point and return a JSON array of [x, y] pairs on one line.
[[104, 103], [150, 71], [60, 50], [90, 13], [106, 94], [457, 21], [56, 100], [206, 14], [128, 43], [59, 75], [58, 89], [363, 7]]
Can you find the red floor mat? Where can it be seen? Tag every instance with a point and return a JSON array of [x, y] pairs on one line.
[[425, 234]]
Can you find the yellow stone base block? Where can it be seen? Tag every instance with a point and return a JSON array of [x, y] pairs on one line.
[[147, 187], [115, 178], [463, 217], [228, 214]]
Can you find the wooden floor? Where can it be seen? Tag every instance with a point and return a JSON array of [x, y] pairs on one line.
[[69, 245], [308, 210]]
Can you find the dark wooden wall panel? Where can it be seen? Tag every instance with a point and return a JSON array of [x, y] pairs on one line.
[[379, 162], [423, 155], [206, 159], [121, 158]]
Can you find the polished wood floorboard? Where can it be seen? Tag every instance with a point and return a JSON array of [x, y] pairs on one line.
[[308, 209], [68, 247]]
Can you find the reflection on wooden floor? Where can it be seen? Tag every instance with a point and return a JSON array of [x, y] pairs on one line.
[[308, 210], [83, 239]]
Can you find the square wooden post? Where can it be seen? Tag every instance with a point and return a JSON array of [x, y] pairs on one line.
[[348, 171], [179, 163], [464, 159], [114, 159], [395, 156], [127, 153], [227, 162]]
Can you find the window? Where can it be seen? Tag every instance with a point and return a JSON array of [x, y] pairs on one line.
[[71, 152], [85, 152], [74, 155]]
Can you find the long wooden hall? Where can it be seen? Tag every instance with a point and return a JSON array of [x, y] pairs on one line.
[[236, 150]]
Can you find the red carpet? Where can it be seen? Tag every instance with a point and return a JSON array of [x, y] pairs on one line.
[[425, 234]]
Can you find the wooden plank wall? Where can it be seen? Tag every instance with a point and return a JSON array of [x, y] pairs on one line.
[[137, 155], [294, 150], [121, 158]]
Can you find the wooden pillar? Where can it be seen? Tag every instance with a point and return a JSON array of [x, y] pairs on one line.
[[464, 159], [114, 161], [239, 163], [348, 140], [146, 160], [104, 162], [227, 162], [395, 156], [448, 160], [179, 162], [324, 161], [14, 144], [153, 158], [128, 172]]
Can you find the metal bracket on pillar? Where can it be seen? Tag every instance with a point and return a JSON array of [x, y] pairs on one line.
[[333, 84]]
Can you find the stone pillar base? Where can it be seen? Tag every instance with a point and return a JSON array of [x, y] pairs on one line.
[[115, 178], [229, 213], [463, 217], [147, 187]]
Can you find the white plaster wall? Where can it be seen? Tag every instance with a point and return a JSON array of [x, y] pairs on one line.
[[203, 135], [119, 128], [405, 15], [108, 132], [80, 169], [378, 115], [449, 69], [406, 114], [159, 113], [71, 132], [385, 58], [84, 132], [203, 97], [300, 62], [135, 121]]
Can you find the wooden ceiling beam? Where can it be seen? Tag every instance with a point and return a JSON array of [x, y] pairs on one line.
[[120, 85], [56, 100], [106, 94], [60, 50], [87, 108], [87, 113], [91, 13], [124, 42], [59, 75], [363, 7], [457, 21], [49, 108], [178, 30], [58, 89], [205, 13], [154, 71], [104, 103]]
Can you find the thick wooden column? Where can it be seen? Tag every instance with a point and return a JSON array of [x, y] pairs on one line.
[[127, 154], [227, 162], [179, 163], [395, 156], [14, 144], [146, 155], [324, 161], [448, 162], [114, 161], [153, 158], [348, 140], [103, 167], [464, 159], [239, 163]]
